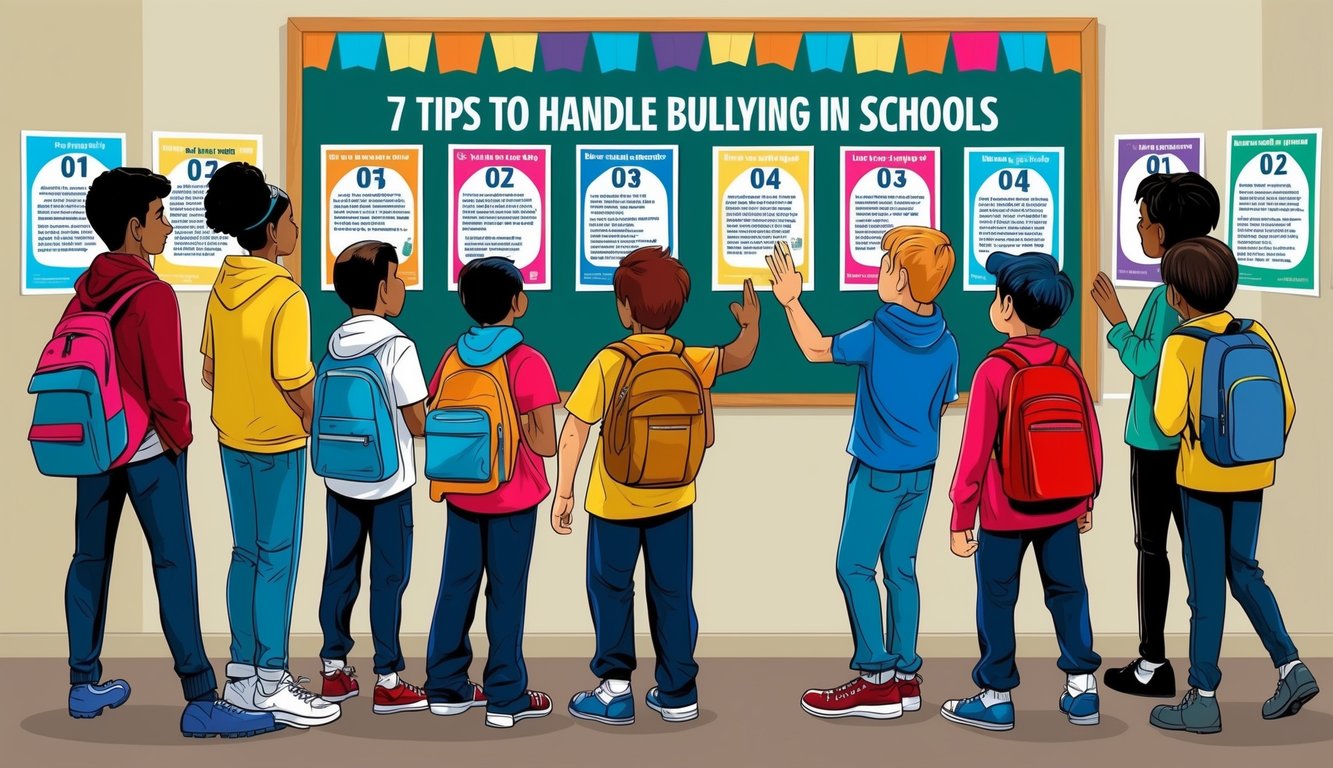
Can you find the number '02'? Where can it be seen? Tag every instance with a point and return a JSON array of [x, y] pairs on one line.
[[1269, 167]]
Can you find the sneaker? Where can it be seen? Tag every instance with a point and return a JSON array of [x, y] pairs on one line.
[[857, 698], [1194, 714], [339, 685], [1162, 684], [671, 714], [910, 692], [202, 719], [403, 697], [539, 705], [974, 712], [295, 706], [448, 708], [602, 706], [1083, 709], [1293, 691], [87, 700], [240, 692]]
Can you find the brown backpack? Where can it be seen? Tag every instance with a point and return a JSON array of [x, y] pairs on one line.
[[654, 430]]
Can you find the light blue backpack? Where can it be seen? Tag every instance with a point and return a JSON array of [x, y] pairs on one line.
[[352, 433]]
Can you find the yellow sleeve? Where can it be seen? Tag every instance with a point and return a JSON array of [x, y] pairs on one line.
[[291, 344], [705, 361], [588, 401], [1282, 373], [1171, 406], [206, 345]]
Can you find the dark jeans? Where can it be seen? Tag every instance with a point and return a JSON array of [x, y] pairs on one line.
[[1221, 537], [1060, 563], [156, 488], [388, 525], [500, 546], [668, 560], [1156, 501]]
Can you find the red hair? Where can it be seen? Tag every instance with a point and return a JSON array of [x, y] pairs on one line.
[[655, 285]]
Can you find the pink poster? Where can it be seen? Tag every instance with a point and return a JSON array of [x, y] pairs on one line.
[[498, 206], [883, 188]]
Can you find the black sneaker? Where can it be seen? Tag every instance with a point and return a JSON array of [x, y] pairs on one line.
[[1161, 686]]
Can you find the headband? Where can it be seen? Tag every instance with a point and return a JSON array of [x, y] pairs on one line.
[[272, 203]]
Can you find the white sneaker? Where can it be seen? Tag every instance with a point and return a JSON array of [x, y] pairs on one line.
[[240, 693], [295, 706]]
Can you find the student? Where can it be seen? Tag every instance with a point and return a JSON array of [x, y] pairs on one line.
[[493, 532], [256, 347], [1030, 405], [638, 498], [365, 276], [125, 209], [1172, 207], [894, 443], [1222, 484]]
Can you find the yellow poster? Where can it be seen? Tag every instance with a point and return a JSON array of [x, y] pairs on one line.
[[194, 252], [761, 195], [372, 193]]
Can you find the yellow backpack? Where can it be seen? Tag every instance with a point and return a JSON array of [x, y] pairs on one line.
[[472, 429], [654, 430]]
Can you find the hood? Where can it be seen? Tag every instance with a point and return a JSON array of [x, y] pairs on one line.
[[909, 328], [241, 277], [110, 275], [483, 346], [360, 336]]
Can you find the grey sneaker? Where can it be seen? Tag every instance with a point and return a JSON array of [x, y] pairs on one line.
[[1293, 691], [1194, 714]]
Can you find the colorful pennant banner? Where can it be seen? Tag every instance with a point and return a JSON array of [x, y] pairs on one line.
[[1024, 50], [730, 47], [875, 51], [458, 51], [779, 48], [977, 51], [407, 50], [678, 49], [359, 50], [925, 51], [616, 50], [514, 50], [563, 50], [826, 50]]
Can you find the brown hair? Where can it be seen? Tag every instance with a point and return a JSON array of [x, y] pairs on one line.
[[927, 256], [655, 286], [1203, 271]]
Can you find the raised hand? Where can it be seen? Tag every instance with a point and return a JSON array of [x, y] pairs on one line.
[[786, 281], [746, 312], [1103, 293]]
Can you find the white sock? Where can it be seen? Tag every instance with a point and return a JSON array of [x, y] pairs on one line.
[[991, 698], [1285, 669], [878, 678], [331, 666], [1206, 694], [388, 681], [617, 687], [1145, 669], [905, 675], [1080, 684]]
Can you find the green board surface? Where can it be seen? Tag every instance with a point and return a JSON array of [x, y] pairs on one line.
[[1035, 109]]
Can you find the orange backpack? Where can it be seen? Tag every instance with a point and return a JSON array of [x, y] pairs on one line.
[[654, 430], [472, 428]]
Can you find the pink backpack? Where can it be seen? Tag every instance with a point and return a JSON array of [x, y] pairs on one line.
[[83, 424]]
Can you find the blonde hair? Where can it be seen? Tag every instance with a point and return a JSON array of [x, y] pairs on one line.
[[927, 256]]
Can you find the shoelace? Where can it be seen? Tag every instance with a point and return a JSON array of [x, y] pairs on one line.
[[294, 685], [411, 688], [847, 689], [349, 671], [535, 699], [227, 706], [1191, 696]]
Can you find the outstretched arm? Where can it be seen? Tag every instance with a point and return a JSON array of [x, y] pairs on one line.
[[787, 285], [740, 353]]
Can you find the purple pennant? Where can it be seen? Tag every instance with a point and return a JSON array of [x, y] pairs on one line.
[[678, 49], [563, 50]]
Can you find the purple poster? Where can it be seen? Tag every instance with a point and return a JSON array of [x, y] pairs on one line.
[[1137, 157]]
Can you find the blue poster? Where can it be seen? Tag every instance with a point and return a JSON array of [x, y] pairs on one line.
[[1015, 204], [627, 200], [57, 169]]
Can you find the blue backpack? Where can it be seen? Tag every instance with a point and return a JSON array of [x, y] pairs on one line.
[[1242, 410], [352, 432]]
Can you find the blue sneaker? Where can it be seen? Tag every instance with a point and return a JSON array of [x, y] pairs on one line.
[[1083, 709], [671, 714], [974, 712], [87, 700], [202, 719], [602, 706]]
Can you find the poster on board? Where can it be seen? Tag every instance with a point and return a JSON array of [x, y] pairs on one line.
[[373, 192], [761, 195], [882, 188], [1273, 209], [499, 206], [1014, 204], [1136, 158], [626, 200]]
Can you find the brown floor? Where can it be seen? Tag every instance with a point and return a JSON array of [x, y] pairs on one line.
[[749, 716]]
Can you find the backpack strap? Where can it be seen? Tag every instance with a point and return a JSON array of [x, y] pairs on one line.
[[624, 348], [1011, 357], [677, 347], [1193, 332]]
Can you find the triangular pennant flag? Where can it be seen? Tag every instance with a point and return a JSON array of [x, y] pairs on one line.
[[730, 47], [779, 48], [616, 50], [359, 49], [977, 51], [514, 50], [1024, 50], [826, 50], [678, 49], [316, 47], [407, 50], [458, 51], [925, 51], [875, 51], [563, 50], [1066, 51]]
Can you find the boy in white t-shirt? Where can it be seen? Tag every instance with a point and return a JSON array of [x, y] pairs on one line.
[[365, 277]]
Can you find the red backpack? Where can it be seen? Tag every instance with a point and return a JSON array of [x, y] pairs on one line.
[[1045, 445]]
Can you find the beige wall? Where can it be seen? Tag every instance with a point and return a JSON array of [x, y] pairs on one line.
[[764, 543]]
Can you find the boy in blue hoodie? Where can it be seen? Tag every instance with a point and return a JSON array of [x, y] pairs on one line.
[[895, 441]]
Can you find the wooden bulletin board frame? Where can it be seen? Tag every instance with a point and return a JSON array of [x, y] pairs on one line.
[[1089, 248]]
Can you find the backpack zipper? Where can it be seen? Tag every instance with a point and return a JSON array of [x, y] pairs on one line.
[[363, 440], [69, 344]]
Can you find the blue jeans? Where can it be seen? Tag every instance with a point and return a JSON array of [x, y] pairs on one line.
[[157, 490], [500, 546], [266, 495], [1060, 562], [881, 524], [388, 525], [1221, 537], [668, 560]]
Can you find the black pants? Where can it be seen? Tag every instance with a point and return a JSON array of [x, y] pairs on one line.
[[1156, 500]]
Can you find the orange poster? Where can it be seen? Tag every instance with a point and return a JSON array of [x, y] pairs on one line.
[[372, 193]]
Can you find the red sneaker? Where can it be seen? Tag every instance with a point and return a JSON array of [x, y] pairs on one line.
[[446, 709], [403, 697], [340, 685], [910, 692], [858, 698], [539, 705]]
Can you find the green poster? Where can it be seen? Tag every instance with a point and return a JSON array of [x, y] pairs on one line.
[[1273, 221]]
